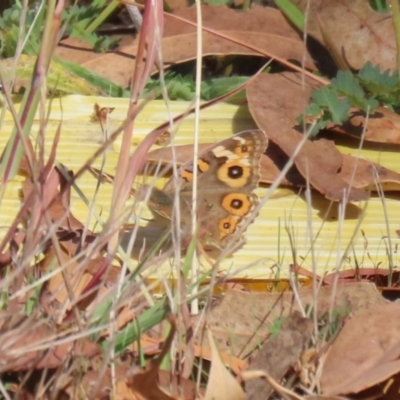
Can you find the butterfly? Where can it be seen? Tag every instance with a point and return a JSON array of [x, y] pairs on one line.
[[227, 174]]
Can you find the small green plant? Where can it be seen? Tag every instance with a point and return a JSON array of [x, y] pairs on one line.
[[365, 90], [79, 18], [75, 18], [329, 324], [182, 87], [276, 327], [10, 30], [178, 87]]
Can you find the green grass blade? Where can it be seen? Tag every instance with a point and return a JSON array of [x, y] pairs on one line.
[[292, 12]]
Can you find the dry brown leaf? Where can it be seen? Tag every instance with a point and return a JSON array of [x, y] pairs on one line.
[[144, 385], [366, 174], [53, 201], [383, 126], [18, 392], [78, 279], [275, 101], [14, 244], [263, 28], [359, 33], [182, 47], [225, 18], [320, 397], [221, 384], [116, 65], [233, 363], [378, 276], [175, 4], [18, 342], [90, 385], [278, 354], [242, 320], [366, 351], [78, 272]]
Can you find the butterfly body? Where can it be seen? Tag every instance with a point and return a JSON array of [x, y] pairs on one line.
[[228, 173]]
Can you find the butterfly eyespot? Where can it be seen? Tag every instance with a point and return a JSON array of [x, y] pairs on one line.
[[235, 172], [227, 226], [237, 203]]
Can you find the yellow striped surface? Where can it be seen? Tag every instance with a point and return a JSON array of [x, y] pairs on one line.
[[318, 237]]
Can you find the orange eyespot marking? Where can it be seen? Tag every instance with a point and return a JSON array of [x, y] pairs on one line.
[[227, 226], [237, 204], [187, 175], [244, 149], [234, 174], [202, 165]]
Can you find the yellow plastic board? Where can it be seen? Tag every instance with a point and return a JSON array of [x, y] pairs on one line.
[[318, 238]]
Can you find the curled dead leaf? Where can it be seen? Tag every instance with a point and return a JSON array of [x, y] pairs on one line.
[[33, 344], [360, 33], [263, 29], [275, 101], [366, 351], [221, 384]]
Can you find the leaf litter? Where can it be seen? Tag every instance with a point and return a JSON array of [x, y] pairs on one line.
[[279, 353], [365, 352], [319, 161], [360, 33], [263, 29], [242, 323]]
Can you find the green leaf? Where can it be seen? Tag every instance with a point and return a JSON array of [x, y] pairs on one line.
[[63, 77], [212, 88], [372, 75], [292, 13], [366, 90], [313, 110], [380, 6], [182, 88], [347, 85], [10, 31], [326, 97], [218, 2], [145, 321], [384, 86], [178, 87], [95, 82]]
